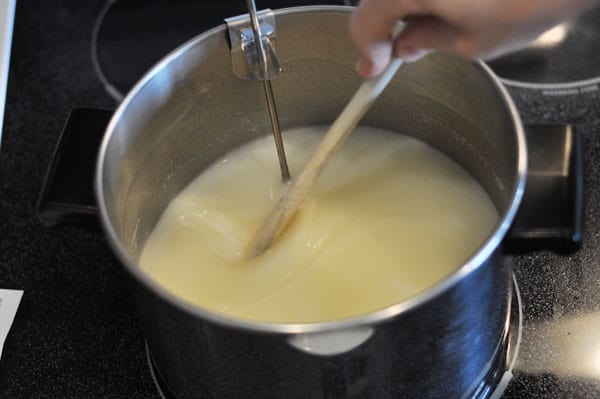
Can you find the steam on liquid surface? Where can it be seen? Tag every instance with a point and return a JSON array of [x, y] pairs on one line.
[[389, 217]]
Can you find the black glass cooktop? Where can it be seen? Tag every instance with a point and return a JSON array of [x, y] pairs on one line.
[[76, 334]]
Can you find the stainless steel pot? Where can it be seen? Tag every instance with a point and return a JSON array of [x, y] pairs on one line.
[[191, 109]]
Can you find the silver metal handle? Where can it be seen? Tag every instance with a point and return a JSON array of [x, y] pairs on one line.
[[262, 55], [253, 58]]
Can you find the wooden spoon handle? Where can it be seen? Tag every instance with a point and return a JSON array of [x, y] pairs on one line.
[[299, 188]]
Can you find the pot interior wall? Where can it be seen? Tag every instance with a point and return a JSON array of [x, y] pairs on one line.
[[192, 110]]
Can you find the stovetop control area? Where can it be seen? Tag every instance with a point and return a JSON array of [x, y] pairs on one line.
[[76, 333]]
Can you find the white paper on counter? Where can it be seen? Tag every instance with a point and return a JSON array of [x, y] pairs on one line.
[[9, 302]]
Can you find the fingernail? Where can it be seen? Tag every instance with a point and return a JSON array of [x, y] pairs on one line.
[[364, 66]]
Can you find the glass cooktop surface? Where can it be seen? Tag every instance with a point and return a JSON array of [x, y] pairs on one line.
[[76, 333]]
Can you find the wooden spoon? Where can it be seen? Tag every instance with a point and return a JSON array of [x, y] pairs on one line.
[[299, 188]]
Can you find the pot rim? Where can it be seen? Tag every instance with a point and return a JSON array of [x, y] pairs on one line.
[[474, 262]]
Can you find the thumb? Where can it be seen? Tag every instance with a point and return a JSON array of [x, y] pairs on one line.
[[380, 54], [370, 28]]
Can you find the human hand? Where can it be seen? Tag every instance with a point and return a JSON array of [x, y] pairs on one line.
[[472, 28]]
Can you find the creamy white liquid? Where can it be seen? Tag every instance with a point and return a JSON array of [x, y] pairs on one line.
[[389, 217]]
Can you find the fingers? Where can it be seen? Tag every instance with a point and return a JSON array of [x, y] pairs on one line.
[[371, 26], [372, 23]]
